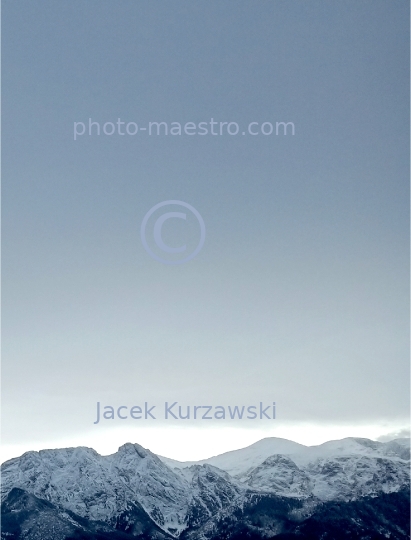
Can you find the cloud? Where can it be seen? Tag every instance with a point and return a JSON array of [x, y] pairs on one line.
[[400, 434]]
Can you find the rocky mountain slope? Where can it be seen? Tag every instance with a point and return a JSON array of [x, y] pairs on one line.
[[272, 488]]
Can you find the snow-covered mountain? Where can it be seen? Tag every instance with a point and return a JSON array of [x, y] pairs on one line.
[[238, 462], [101, 487], [336, 470], [268, 489]]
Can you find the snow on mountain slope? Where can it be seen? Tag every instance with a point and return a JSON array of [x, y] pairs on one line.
[[134, 486], [280, 475], [337, 478], [345, 469], [351, 446], [24, 516], [239, 461], [405, 442], [112, 488], [101, 487]]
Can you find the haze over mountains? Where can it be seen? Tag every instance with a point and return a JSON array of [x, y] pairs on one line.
[[272, 488]]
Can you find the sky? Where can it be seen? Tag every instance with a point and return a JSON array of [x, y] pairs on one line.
[[299, 294]]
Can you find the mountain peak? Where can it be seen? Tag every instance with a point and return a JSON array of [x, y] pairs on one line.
[[134, 490], [133, 448]]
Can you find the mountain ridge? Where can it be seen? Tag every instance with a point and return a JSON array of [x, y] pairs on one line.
[[135, 492], [268, 446]]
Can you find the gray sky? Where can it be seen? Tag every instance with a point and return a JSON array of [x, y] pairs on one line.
[[300, 293]]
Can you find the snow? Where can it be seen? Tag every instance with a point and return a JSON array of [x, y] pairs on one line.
[[176, 494], [238, 462], [99, 487]]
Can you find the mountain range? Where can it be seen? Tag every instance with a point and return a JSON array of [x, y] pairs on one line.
[[350, 488]]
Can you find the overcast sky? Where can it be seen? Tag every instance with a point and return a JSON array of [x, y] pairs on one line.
[[300, 292]]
